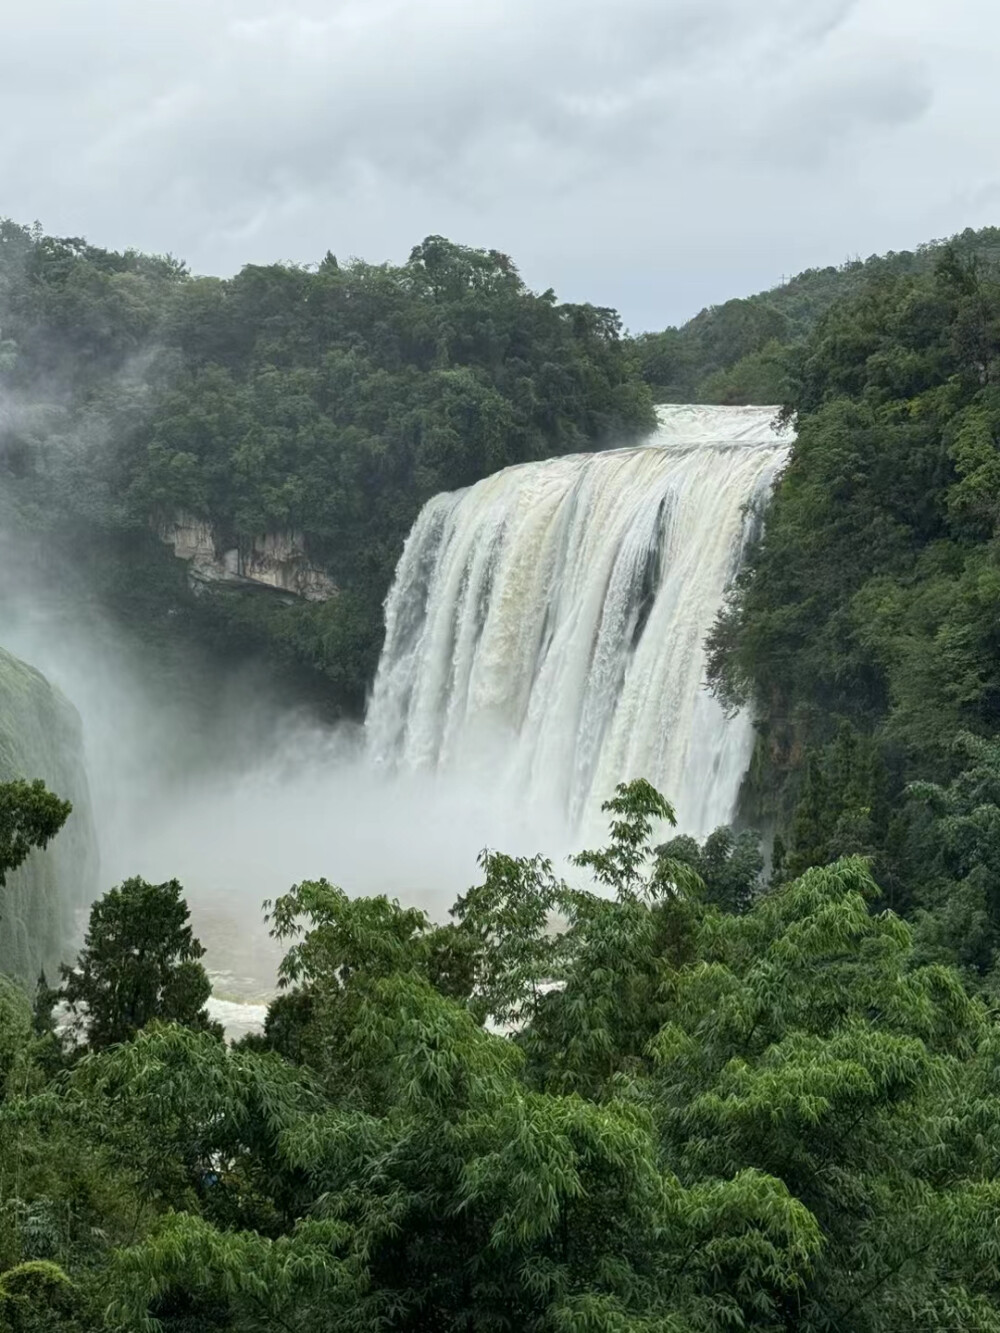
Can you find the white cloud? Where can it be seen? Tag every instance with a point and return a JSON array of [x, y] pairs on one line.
[[651, 154]]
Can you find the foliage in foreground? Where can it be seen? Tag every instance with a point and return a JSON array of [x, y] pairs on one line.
[[767, 1118]]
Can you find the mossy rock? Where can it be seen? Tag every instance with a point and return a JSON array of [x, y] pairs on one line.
[[40, 737]]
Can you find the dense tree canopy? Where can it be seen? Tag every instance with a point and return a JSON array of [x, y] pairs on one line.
[[865, 626], [767, 1115], [745, 350], [328, 401]]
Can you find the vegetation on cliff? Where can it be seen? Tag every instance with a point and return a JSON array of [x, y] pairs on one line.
[[40, 887], [329, 402], [865, 626]]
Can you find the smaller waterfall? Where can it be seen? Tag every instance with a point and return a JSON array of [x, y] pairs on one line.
[[545, 630]]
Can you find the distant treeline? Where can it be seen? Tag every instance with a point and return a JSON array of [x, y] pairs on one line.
[[746, 350]]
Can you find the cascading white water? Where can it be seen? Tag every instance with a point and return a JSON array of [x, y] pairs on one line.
[[545, 640], [545, 630]]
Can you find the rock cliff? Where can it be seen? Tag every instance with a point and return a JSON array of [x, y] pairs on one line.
[[275, 560]]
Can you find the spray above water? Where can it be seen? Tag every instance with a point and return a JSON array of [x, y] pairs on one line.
[[546, 627], [545, 640]]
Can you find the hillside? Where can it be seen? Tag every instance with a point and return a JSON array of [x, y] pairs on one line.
[[280, 430], [744, 350], [864, 628]]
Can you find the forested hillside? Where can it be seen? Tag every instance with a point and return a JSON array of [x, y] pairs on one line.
[[725, 1110], [694, 1093], [866, 627], [316, 407], [744, 350]]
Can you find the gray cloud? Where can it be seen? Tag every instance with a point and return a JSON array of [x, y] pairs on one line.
[[816, 115], [650, 154]]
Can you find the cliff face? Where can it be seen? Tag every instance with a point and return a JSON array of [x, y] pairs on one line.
[[275, 560], [40, 737]]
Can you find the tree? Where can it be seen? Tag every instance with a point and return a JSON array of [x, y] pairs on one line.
[[139, 962], [38, 1297], [30, 817], [730, 866], [953, 844]]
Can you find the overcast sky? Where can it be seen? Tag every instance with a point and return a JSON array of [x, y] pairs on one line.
[[654, 155]]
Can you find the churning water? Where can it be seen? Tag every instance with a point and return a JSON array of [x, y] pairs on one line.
[[545, 640], [546, 627]]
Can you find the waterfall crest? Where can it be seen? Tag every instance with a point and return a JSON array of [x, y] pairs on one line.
[[545, 629]]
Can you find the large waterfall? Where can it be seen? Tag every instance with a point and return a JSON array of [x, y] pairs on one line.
[[545, 631], [545, 640]]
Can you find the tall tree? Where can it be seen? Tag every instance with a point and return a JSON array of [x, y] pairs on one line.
[[140, 961], [30, 817]]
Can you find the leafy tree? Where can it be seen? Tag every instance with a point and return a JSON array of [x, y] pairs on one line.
[[515, 955], [954, 840], [38, 1297], [30, 817], [623, 866], [139, 962], [729, 865], [190, 1123]]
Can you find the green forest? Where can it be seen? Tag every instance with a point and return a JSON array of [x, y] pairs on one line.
[[865, 627], [676, 1087], [745, 350], [328, 401], [699, 1107]]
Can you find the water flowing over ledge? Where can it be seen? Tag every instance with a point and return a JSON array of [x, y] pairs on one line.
[[545, 630]]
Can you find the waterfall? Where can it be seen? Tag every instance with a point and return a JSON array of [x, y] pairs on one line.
[[545, 631]]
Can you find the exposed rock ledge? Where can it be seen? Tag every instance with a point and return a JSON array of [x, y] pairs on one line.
[[274, 560]]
